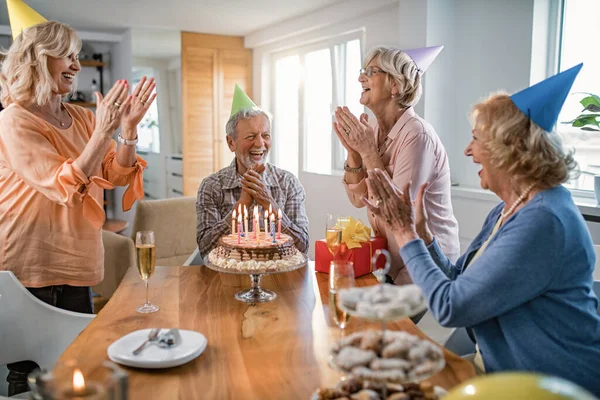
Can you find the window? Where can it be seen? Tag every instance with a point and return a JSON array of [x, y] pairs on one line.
[[308, 84], [580, 27], [148, 128]]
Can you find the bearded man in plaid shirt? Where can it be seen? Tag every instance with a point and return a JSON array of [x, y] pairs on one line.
[[248, 181]]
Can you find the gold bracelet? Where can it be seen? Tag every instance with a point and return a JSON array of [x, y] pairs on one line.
[[354, 170]]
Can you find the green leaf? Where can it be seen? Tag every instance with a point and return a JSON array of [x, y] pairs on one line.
[[588, 128], [588, 115], [592, 99], [592, 107], [579, 122]]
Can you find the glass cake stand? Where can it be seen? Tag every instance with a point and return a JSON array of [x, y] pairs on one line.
[[256, 294]]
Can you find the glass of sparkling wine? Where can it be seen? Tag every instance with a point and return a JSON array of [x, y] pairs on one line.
[[341, 276], [333, 235], [145, 249]]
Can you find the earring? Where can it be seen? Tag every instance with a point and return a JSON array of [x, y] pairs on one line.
[[393, 95]]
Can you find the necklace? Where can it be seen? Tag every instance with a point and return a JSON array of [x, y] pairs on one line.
[[517, 202], [52, 116]]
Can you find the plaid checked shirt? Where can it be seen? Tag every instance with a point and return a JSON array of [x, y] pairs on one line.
[[219, 192]]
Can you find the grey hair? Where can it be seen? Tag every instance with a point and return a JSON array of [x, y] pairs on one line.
[[400, 69], [244, 113]]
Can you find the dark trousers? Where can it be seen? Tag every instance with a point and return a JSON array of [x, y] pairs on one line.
[[71, 298]]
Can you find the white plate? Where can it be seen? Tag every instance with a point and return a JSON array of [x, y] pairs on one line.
[[192, 345]]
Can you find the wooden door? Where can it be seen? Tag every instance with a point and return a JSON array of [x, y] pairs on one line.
[[235, 67], [210, 67]]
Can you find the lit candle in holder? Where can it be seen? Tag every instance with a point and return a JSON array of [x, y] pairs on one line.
[[80, 390], [246, 222], [272, 218], [266, 223], [233, 218], [239, 228], [279, 224]]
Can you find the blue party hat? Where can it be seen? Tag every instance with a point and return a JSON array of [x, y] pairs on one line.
[[542, 102]]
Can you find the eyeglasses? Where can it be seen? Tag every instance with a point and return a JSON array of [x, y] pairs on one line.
[[370, 71]]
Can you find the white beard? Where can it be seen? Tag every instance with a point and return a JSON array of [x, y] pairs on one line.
[[248, 162]]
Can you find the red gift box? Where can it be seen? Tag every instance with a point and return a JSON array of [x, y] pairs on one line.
[[361, 257]]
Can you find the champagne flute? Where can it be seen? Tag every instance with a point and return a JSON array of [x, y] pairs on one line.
[[341, 276], [333, 235], [145, 250]]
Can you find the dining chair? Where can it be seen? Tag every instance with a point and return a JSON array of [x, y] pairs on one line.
[[31, 329], [460, 343], [119, 256], [174, 224], [195, 259]]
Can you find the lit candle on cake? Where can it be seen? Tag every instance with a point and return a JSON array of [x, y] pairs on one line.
[[246, 222], [279, 224], [272, 218], [239, 228], [233, 218], [255, 222], [266, 223]]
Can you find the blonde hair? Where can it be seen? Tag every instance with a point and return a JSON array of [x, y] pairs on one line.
[[24, 77], [401, 70], [519, 146]]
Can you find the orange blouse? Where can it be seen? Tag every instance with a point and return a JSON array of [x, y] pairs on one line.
[[50, 212]]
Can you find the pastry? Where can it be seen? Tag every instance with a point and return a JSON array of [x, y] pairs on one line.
[[351, 357], [393, 357], [384, 301]]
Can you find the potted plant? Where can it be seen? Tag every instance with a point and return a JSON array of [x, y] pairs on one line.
[[589, 120]]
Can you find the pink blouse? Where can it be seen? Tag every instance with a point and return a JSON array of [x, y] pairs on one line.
[[414, 152], [50, 212]]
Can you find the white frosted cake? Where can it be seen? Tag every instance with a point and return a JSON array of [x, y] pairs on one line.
[[251, 254]]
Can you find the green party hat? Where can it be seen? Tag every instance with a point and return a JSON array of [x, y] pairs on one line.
[[240, 101]]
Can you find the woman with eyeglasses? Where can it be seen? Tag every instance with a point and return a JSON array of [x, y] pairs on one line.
[[400, 143]]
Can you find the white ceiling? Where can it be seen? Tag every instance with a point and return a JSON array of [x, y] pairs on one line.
[[224, 17]]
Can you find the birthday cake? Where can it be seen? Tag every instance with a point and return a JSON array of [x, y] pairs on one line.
[[262, 253]]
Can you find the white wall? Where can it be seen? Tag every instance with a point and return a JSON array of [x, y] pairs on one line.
[[325, 193], [121, 68], [154, 175], [488, 47], [493, 52]]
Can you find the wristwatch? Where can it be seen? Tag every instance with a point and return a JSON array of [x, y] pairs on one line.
[[128, 142], [354, 170]]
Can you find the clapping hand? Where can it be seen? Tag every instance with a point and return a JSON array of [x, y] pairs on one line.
[[254, 184], [110, 108], [246, 197], [356, 135], [392, 206], [139, 102]]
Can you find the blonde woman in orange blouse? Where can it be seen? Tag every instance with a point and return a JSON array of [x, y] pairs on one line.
[[55, 161]]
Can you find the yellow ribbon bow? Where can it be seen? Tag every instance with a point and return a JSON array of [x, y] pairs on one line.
[[354, 232]]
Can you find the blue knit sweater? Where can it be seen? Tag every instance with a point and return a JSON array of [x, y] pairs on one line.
[[528, 297]]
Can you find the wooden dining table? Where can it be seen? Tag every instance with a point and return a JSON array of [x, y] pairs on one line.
[[275, 350]]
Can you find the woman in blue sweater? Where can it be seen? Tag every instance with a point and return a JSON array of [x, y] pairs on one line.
[[524, 286]]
